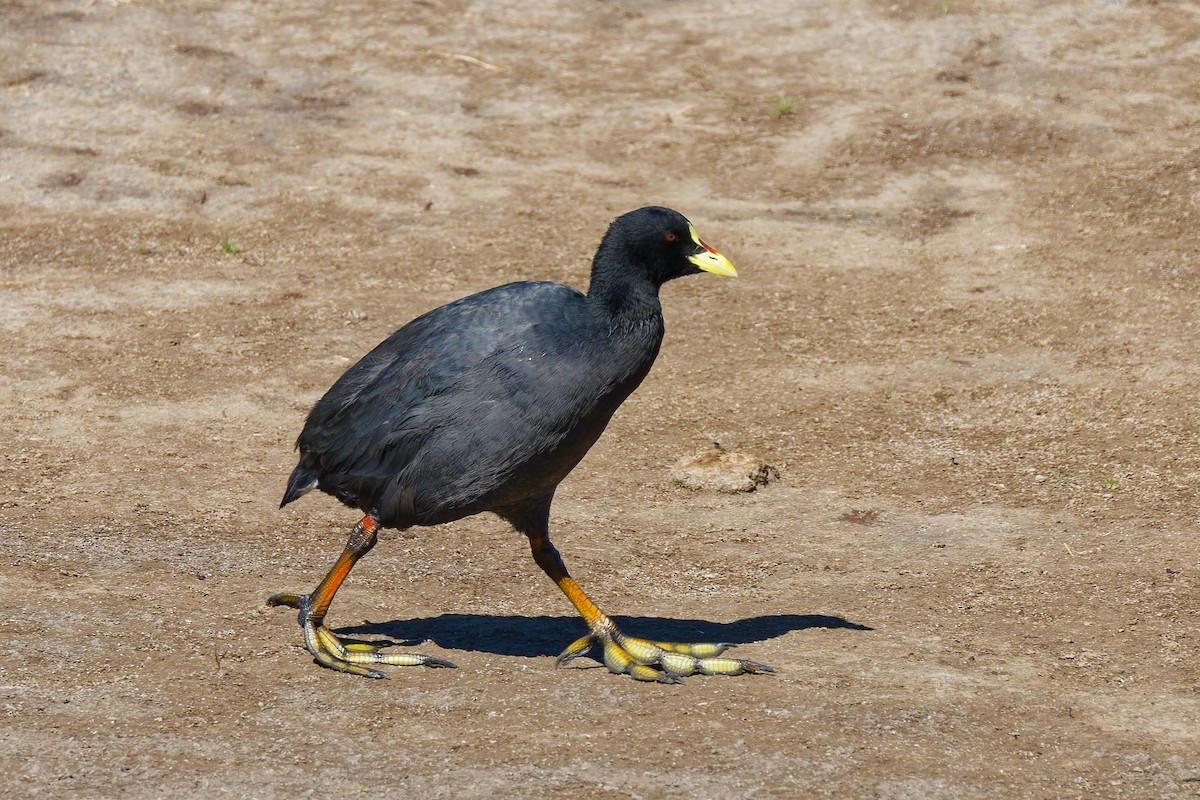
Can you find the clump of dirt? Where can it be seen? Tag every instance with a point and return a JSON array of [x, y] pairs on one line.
[[718, 470]]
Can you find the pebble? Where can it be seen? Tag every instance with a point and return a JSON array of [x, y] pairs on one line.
[[719, 470]]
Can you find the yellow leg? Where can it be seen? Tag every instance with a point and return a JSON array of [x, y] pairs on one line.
[[644, 660], [326, 648]]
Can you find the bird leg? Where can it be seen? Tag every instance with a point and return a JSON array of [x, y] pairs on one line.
[[642, 659], [327, 649]]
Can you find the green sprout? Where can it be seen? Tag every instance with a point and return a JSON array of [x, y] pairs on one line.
[[784, 106]]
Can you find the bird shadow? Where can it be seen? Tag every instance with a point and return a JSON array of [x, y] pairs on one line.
[[530, 637]]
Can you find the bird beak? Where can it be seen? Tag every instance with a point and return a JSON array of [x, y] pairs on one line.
[[708, 259]]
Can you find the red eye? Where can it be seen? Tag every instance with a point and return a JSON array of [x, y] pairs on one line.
[[670, 237]]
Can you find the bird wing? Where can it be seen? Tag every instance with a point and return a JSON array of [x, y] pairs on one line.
[[474, 377]]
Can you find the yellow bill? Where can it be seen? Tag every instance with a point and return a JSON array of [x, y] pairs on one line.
[[709, 259]]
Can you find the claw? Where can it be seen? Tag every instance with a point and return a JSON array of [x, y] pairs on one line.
[[575, 649], [619, 661], [616, 659], [729, 666], [641, 672], [293, 600], [665, 662], [696, 650], [678, 664], [640, 650], [350, 657]]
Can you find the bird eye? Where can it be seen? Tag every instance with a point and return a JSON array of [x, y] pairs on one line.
[[670, 237]]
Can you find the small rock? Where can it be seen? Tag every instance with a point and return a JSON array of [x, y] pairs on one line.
[[719, 470]]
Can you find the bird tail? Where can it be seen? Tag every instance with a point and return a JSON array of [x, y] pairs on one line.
[[303, 480]]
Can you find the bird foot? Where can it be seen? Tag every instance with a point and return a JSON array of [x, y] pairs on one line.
[[352, 657], [665, 662]]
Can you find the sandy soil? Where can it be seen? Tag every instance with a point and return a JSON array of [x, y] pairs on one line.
[[965, 336]]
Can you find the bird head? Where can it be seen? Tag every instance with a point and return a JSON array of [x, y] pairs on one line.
[[664, 244]]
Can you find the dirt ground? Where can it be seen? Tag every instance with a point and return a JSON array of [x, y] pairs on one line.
[[964, 334]]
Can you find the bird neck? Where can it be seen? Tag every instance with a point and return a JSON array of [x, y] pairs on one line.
[[623, 295]]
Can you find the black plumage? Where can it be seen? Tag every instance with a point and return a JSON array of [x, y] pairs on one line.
[[486, 404], [476, 406]]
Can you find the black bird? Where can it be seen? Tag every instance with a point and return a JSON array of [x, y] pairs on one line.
[[485, 404]]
